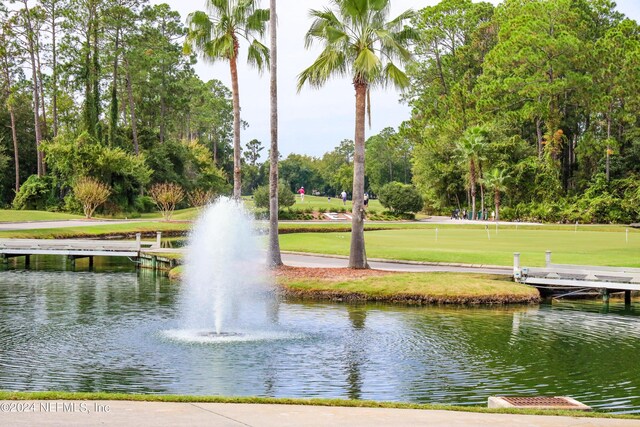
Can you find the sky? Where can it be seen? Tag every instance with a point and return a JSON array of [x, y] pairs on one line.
[[313, 121]]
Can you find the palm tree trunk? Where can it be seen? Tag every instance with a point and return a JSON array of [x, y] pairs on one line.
[[357, 254], [496, 199], [274, 258], [237, 172], [472, 187]]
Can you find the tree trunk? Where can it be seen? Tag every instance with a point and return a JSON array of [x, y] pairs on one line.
[[16, 157], [35, 94], [45, 131], [357, 254], [134, 129], [539, 137], [14, 136], [472, 187], [113, 119], [608, 162], [274, 258], [54, 76], [496, 199], [237, 172]]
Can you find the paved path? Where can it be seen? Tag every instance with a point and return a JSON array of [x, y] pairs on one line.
[[318, 261], [160, 414]]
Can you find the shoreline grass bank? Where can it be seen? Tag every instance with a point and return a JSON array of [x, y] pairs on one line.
[[347, 285]]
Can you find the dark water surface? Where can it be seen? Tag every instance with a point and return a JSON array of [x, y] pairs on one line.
[[105, 331]]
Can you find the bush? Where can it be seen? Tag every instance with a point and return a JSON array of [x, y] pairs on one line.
[[144, 204], [35, 193], [91, 194], [286, 198], [400, 198], [166, 196], [199, 197]]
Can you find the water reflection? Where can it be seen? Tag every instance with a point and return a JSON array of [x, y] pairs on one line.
[[103, 331]]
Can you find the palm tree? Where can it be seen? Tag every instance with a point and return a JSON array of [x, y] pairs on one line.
[[358, 40], [496, 180], [217, 36], [274, 256], [471, 148]]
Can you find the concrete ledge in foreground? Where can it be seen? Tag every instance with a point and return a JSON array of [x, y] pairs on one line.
[[160, 414]]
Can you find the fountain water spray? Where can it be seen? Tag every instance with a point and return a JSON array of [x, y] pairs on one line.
[[226, 288]]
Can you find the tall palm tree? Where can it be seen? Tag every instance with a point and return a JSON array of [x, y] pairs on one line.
[[216, 35], [274, 256], [471, 148], [360, 41], [496, 180]]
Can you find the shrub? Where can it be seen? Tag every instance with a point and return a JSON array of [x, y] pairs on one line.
[[144, 204], [400, 198], [35, 193], [166, 196], [286, 198], [91, 194], [199, 197]]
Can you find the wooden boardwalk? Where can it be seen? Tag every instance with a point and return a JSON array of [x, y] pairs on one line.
[[558, 277], [76, 248]]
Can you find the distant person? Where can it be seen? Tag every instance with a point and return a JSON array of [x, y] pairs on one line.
[[366, 200], [344, 197], [301, 192]]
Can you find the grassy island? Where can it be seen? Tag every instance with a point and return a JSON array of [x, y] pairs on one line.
[[343, 284]]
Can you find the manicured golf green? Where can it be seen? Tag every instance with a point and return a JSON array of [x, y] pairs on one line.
[[331, 205], [481, 246]]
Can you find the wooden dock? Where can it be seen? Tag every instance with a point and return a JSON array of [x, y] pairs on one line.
[[578, 278], [146, 254]]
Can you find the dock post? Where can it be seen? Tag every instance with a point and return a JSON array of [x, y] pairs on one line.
[[138, 240], [627, 297], [72, 259], [158, 239], [154, 262], [90, 262], [27, 261], [516, 262], [5, 259], [547, 259], [605, 296]]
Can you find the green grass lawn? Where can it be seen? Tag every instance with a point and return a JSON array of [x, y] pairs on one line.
[[10, 215], [471, 245], [317, 202], [97, 230]]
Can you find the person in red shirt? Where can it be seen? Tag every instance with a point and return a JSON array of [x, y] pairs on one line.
[[301, 192]]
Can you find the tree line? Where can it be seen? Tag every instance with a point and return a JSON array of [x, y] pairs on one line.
[[534, 100], [104, 89], [531, 104]]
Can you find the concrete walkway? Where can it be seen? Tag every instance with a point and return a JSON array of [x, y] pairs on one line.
[[160, 414], [320, 261]]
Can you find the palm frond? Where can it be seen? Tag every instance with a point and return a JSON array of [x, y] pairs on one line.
[[258, 55], [366, 66], [256, 22], [395, 76], [329, 62]]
